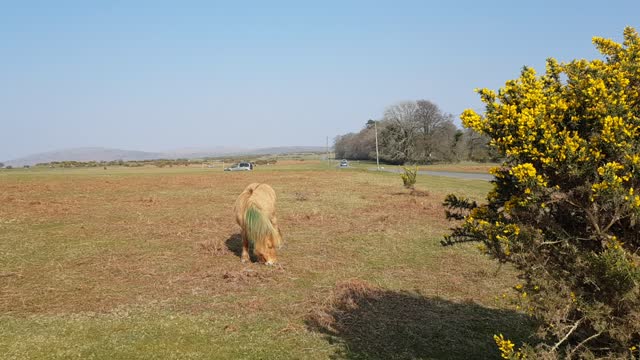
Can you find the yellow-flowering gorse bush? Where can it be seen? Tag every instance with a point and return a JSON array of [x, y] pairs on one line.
[[409, 177], [565, 207]]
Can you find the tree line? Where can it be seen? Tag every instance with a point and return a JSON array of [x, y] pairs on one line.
[[126, 163], [155, 162], [414, 132]]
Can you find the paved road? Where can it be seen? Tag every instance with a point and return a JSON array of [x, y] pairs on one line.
[[458, 175]]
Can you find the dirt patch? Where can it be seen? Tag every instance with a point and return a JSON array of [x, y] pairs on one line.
[[416, 192], [301, 196], [243, 275]]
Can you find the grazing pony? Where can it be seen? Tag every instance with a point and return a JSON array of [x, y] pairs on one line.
[[255, 211]]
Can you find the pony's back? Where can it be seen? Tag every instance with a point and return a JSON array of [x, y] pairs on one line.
[[261, 196]]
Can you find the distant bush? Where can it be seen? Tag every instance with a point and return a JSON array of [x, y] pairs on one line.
[[409, 177], [266, 161], [132, 163]]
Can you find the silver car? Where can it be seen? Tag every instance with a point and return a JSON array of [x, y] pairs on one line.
[[243, 166]]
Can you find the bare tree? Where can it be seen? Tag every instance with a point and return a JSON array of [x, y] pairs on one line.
[[342, 145], [394, 147], [401, 130], [403, 114], [414, 131], [443, 140], [477, 147], [429, 116], [429, 120], [356, 146]]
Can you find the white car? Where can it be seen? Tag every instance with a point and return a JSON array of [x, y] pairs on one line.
[[243, 166], [344, 163]]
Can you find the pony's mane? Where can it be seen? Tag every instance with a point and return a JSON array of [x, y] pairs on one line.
[[258, 227]]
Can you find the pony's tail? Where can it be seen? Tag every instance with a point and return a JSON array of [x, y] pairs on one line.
[[258, 227]]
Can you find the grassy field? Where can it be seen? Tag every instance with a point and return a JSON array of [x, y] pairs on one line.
[[144, 264]]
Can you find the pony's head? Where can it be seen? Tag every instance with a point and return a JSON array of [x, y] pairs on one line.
[[266, 250], [265, 237]]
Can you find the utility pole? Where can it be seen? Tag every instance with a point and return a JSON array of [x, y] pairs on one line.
[[375, 126]]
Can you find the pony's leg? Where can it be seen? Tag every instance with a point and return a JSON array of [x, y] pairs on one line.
[[245, 247]]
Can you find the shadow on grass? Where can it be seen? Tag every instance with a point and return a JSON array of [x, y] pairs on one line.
[[371, 323], [234, 244], [412, 192]]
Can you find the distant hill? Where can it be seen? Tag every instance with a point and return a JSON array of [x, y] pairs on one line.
[[83, 154], [107, 154], [195, 152]]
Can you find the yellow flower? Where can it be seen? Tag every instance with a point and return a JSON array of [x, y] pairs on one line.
[[504, 345]]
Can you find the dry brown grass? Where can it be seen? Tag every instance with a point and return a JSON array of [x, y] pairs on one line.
[[95, 243], [107, 242]]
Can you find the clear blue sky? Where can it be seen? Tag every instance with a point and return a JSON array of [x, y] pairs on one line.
[[160, 75]]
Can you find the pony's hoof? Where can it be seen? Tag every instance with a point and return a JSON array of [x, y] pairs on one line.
[[271, 263], [244, 260]]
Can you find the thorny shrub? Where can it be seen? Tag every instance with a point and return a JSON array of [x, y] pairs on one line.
[[565, 204], [409, 177]]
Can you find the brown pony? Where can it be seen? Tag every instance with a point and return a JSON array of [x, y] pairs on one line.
[[255, 211]]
